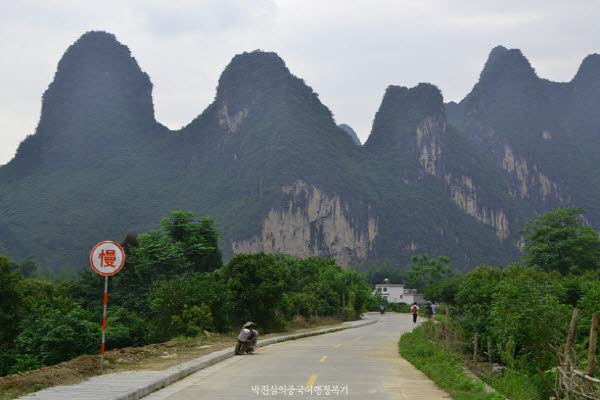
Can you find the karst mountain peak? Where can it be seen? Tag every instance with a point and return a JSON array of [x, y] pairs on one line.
[[268, 162]]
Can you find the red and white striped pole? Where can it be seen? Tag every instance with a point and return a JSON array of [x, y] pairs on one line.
[[106, 258], [103, 346]]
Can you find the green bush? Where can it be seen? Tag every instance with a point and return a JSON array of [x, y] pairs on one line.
[[525, 304], [125, 328], [188, 304], [518, 386], [25, 362], [52, 335], [196, 320]]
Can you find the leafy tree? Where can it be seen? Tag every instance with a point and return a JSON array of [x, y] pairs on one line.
[[319, 287], [444, 290], [88, 289], [10, 302], [590, 300], [474, 298], [130, 241], [424, 271], [257, 282], [188, 304], [183, 245], [573, 287], [560, 241], [198, 239], [27, 267]]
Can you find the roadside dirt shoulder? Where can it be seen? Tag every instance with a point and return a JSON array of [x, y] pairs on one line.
[[151, 357]]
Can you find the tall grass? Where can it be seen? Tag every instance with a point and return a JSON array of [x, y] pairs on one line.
[[445, 369], [441, 367]]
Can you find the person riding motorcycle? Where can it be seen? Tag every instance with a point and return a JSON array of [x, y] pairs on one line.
[[247, 339]]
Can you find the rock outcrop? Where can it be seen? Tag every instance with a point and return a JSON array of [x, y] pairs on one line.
[[528, 177], [429, 144], [465, 194], [312, 223]]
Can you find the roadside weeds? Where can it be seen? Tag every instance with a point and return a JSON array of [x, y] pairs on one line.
[[442, 367]]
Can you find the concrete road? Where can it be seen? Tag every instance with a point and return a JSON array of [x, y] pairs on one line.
[[363, 360]]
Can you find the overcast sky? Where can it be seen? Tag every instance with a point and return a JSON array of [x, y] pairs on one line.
[[348, 51]]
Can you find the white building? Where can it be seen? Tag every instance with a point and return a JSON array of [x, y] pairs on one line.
[[412, 296], [396, 293]]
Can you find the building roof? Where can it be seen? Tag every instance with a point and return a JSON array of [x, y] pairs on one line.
[[389, 285]]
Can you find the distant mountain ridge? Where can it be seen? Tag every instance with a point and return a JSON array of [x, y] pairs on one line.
[[269, 162]]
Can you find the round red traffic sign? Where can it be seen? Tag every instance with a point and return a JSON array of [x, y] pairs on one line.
[[107, 258]]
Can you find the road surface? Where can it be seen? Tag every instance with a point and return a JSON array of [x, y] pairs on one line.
[[364, 360]]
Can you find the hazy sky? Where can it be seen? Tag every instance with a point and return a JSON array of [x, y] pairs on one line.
[[348, 51]]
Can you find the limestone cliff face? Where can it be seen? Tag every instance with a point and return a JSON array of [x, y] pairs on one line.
[[312, 223], [528, 179], [230, 122], [429, 144], [531, 181], [430, 137], [464, 193]]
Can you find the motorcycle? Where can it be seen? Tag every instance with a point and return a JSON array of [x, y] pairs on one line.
[[247, 338]]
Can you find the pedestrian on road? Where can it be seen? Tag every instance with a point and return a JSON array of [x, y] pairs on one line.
[[428, 311], [414, 311]]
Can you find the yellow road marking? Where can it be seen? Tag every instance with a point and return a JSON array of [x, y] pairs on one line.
[[323, 359], [357, 339], [312, 380], [337, 346]]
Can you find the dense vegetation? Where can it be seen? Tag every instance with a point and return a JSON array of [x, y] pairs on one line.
[[525, 308], [173, 284]]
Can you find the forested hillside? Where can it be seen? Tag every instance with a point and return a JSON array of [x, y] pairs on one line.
[[268, 160]]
